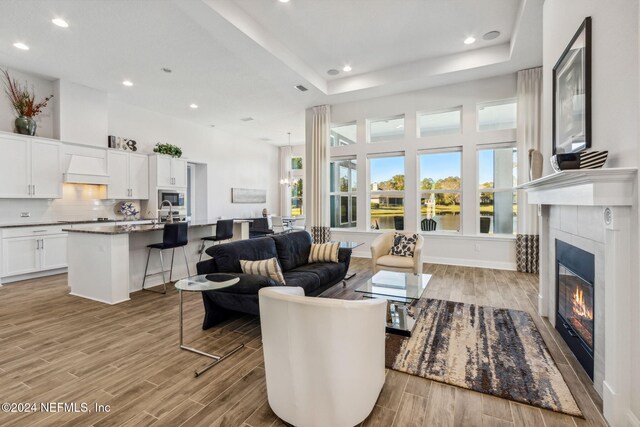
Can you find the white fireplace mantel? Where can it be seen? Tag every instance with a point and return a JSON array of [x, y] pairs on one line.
[[573, 192], [584, 187]]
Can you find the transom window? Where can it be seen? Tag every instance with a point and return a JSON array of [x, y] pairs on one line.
[[443, 122], [344, 134], [388, 129], [496, 115]]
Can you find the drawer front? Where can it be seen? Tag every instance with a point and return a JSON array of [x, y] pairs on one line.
[[32, 231]]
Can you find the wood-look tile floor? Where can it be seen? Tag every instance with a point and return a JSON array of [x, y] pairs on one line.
[[58, 348]]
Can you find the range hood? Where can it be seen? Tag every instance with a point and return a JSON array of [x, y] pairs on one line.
[[85, 165]]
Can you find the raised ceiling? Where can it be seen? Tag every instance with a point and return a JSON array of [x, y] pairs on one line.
[[242, 58]]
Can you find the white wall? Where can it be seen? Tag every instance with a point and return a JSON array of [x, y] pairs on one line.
[[470, 247], [42, 88], [232, 161], [80, 114], [615, 109]]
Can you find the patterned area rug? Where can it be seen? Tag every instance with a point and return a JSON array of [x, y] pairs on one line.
[[490, 350]]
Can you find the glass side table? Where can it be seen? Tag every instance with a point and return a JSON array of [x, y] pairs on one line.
[[348, 245], [201, 283]]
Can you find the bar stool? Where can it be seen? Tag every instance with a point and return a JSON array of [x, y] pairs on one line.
[[224, 231], [173, 236]]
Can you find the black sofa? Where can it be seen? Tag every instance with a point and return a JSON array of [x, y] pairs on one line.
[[291, 249]]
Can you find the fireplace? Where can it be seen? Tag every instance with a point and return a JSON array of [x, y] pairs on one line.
[[575, 269]]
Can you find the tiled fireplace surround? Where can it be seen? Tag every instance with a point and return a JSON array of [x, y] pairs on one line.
[[592, 210]]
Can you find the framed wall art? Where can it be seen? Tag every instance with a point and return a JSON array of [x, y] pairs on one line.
[[572, 94]]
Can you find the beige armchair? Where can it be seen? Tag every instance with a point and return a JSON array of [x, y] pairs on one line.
[[383, 261]]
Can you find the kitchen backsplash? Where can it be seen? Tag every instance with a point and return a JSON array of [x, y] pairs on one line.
[[79, 202]]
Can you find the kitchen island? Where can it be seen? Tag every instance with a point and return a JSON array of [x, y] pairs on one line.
[[107, 263]]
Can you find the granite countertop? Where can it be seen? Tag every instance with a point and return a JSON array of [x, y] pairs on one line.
[[49, 223], [127, 229]]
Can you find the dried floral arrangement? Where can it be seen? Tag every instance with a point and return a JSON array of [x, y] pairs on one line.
[[22, 100]]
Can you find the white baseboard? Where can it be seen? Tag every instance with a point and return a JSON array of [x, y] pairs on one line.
[[498, 265], [98, 299], [35, 275]]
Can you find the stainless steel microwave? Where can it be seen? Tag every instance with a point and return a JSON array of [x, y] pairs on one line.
[[176, 198]]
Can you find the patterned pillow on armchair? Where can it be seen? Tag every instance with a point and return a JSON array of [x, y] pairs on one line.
[[404, 244]]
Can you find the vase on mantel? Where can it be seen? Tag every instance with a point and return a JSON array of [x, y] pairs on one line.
[[25, 125]]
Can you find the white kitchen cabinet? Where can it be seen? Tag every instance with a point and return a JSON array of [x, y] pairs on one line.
[[29, 168], [170, 171], [129, 176], [33, 249], [179, 172], [53, 252], [139, 176], [46, 178], [20, 255]]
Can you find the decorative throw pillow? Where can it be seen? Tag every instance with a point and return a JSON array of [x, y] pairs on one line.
[[404, 244], [324, 252], [266, 267]]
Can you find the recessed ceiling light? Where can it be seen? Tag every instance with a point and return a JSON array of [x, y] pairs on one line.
[[301, 88], [284, 1], [127, 83], [346, 68], [491, 35], [21, 46], [194, 106], [246, 119], [166, 70], [265, 139], [469, 40], [60, 22], [333, 72], [212, 126]]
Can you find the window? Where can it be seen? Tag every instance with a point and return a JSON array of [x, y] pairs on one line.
[[297, 188], [296, 197], [386, 129], [497, 177], [497, 115], [445, 122], [343, 134], [440, 191], [387, 192], [343, 186], [296, 163]]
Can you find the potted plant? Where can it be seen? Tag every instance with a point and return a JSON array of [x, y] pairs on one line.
[[24, 103], [169, 149]]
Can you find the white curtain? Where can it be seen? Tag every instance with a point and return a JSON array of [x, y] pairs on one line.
[[529, 137], [319, 167], [285, 191]]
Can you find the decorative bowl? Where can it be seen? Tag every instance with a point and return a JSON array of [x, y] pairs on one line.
[[582, 160]]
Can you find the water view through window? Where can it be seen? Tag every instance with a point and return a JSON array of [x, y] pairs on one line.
[[387, 192], [440, 205]]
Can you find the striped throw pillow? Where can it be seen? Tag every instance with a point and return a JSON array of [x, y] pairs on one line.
[[266, 267], [325, 252]]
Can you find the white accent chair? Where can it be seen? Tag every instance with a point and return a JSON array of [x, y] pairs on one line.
[[324, 358], [279, 225], [382, 260]]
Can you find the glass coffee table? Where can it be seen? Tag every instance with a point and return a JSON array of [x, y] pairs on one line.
[[201, 283], [400, 290]]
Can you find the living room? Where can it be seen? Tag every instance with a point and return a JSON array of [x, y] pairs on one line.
[[391, 163]]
